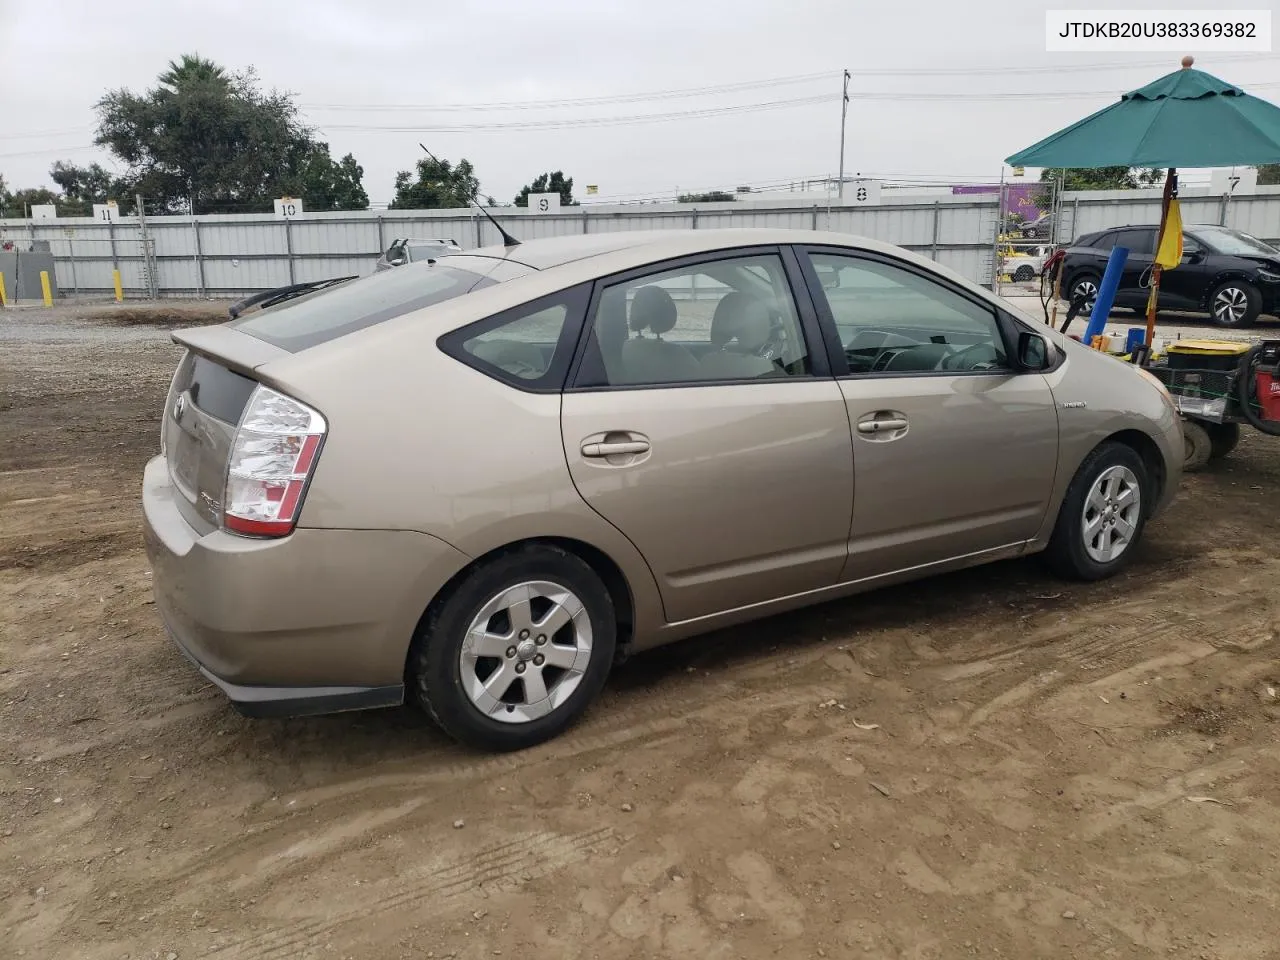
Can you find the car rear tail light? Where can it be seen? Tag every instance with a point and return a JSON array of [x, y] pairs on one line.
[[272, 456]]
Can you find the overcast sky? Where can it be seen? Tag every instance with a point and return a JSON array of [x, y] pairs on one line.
[[60, 56]]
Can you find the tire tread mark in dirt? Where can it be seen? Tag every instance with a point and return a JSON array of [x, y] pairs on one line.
[[1101, 648], [388, 787], [503, 866]]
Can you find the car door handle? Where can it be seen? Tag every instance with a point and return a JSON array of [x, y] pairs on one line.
[[615, 448], [886, 425]]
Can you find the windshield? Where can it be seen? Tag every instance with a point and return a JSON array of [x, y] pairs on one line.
[[329, 314], [1233, 243]]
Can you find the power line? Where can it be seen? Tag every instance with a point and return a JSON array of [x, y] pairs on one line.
[[1006, 95], [746, 85], [674, 94], [880, 96], [586, 121], [43, 133], [49, 150]]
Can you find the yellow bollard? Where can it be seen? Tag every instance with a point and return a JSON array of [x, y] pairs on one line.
[[4, 299], [45, 288], [115, 278]]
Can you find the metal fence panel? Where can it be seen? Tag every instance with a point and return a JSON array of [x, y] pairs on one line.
[[229, 255]]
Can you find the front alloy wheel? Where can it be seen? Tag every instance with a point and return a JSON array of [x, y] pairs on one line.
[[1102, 514], [1112, 512], [1235, 304]]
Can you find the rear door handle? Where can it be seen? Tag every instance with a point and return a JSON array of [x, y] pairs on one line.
[[614, 448], [886, 425]]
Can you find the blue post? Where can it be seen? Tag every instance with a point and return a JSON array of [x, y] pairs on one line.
[[1106, 294]]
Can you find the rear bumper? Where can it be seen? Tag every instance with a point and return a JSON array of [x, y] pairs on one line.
[[316, 622]]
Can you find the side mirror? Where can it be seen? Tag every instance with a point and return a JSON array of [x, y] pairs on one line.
[[1194, 257], [1033, 351], [397, 261]]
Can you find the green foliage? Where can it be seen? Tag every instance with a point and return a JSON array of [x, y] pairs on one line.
[[324, 184], [438, 185], [82, 187], [15, 206], [215, 137], [1269, 173], [714, 196], [1096, 178], [549, 183]]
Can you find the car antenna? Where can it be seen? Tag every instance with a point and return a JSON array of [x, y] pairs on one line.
[[507, 239]]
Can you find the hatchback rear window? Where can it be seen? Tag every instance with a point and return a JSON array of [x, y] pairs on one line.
[[299, 324]]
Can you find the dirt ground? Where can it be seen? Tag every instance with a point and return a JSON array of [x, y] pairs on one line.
[[990, 764]]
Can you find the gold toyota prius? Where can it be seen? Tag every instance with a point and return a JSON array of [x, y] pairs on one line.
[[478, 482]]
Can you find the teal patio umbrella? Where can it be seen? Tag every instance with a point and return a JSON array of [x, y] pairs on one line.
[[1185, 119]]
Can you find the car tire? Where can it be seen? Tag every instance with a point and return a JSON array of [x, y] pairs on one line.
[[1102, 515], [1235, 304], [1197, 445], [1223, 438], [452, 676], [1079, 281]]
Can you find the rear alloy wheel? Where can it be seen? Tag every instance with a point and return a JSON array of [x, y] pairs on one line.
[[1235, 304], [1102, 515], [517, 651]]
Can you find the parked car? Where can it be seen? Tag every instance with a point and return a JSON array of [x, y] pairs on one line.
[[1041, 228], [1024, 264], [409, 250], [479, 482], [1229, 275]]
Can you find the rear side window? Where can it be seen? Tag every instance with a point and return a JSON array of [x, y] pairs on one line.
[[299, 324], [1140, 241], [528, 346]]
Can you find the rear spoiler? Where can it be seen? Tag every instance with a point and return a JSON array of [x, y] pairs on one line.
[[269, 298]]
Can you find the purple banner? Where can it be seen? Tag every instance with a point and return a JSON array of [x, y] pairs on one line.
[[1019, 197]]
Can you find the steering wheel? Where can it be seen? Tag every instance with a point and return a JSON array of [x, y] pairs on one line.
[[952, 361]]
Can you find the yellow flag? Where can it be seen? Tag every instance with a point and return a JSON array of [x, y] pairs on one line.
[[1170, 253]]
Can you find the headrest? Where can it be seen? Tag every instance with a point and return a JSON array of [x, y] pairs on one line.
[[653, 309], [727, 318], [743, 318]]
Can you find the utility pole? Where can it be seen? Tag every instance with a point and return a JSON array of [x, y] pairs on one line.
[[844, 113]]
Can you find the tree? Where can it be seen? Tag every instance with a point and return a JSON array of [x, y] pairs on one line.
[[1097, 178], [713, 196], [324, 184], [214, 137], [82, 187], [16, 206], [439, 185], [1269, 173], [549, 183]]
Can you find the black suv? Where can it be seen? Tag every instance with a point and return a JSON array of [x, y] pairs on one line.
[[1229, 275]]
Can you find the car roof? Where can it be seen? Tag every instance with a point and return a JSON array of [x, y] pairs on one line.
[[646, 246]]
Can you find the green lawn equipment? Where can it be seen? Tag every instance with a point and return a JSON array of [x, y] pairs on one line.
[[1218, 385]]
